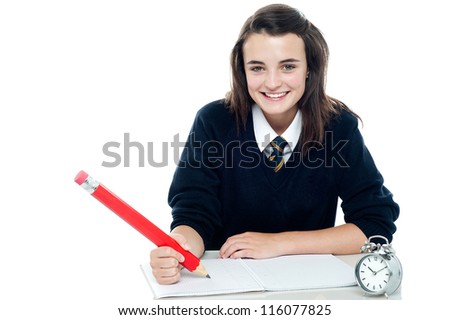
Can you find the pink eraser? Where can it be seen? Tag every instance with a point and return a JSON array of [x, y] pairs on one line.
[[81, 177]]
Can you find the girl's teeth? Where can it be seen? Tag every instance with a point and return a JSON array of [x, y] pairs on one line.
[[275, 95]]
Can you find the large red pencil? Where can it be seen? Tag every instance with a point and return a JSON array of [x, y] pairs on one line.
[[137, 221]]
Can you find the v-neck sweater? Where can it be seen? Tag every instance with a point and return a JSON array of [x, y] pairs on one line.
[[224, 185]]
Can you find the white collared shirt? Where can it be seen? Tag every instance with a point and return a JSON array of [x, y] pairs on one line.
[[264, 132]]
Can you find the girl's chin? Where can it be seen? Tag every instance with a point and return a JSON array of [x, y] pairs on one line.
[[278, 112], [276, 107]]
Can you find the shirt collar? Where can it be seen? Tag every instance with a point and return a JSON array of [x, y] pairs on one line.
[[264, 132]]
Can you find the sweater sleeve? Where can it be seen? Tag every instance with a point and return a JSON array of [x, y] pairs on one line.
[[366, 202], [193, 194]]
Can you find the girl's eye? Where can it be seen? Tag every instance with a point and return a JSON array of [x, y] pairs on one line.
[[256, 69], [288, 67]]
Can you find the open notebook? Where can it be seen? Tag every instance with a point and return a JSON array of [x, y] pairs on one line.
[[284, 273]]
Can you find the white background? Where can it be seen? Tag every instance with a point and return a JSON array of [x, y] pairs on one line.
[[77, 74]]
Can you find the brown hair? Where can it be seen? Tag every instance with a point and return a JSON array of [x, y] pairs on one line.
[[316, 106]]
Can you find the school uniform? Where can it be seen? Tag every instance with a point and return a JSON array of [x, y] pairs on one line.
[[225, 183]]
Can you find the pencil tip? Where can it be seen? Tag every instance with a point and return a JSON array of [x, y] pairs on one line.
[[202, 271]]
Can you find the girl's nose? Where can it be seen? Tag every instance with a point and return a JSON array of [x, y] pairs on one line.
[[273, 80]]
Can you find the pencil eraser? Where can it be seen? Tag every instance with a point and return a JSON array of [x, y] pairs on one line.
[[81, 177]]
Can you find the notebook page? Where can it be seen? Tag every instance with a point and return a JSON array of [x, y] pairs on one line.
[[227, 276], [299, 272]]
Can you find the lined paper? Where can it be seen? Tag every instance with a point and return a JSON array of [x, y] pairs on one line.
[[227, 276], [299, 272], [296, 272]]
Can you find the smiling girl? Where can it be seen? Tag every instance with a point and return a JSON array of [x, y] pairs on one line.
[[263, 169]]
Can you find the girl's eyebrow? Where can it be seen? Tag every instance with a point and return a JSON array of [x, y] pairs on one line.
[[281, 62], [289, 60], [255, 62]]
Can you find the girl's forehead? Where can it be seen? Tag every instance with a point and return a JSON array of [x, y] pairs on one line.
[[262, 45]]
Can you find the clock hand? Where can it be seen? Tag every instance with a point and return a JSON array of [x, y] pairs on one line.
[[379, 270], [374, 273]]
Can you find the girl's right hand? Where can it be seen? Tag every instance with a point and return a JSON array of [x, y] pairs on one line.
[[165, 262]]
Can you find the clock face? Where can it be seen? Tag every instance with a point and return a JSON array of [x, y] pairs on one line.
[[373, 273]]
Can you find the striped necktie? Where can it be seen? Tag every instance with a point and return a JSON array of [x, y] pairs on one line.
[[276, 157]]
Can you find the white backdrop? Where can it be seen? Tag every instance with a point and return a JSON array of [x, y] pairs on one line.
[[75, 75]]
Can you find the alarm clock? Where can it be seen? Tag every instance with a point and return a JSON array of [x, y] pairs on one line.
[[379, 271]]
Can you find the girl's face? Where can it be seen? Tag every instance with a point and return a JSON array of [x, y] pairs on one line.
[[276, 71]]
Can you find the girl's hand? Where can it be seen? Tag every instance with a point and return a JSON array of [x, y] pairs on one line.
[[252, 245], [166, 262]]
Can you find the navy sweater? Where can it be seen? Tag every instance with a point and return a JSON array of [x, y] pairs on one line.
[[224, 186]]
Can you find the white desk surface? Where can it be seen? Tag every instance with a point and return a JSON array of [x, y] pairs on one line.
[[345, 293]]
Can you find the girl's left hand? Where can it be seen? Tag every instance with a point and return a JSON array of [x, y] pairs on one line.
[[251, 245]]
